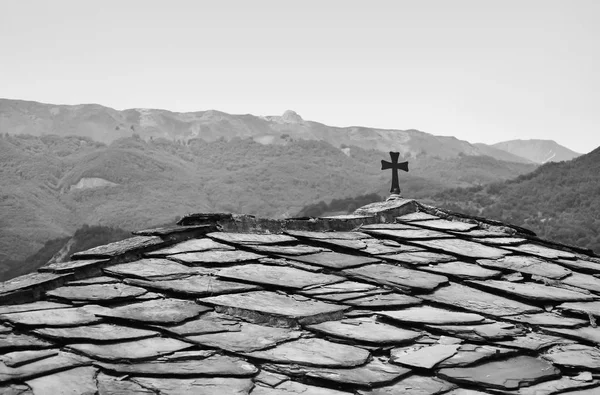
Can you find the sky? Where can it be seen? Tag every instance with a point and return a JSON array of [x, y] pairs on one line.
[[481, 70]]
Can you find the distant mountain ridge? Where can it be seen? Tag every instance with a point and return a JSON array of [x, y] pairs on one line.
[[538, 151], [104, 124]]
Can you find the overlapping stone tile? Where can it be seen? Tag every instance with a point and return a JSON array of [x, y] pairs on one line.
[[533, 341], [462, 270], [431, 315], [547, 320], [94, 333], [338, 287], [575, 356], [584, 281], [314, 352], [117, 248], [95, 280], [469, 354], [250, 337], [580, 265], [277, 308], [212, 366], [270, 378], [79, 380], [215, 257], [423, 356], [97, 293], [463, 248], [210, 322], [397, 277], [334, 260], [251, 238], [582, 307], [419, 257], [151, 268], [45, 366], [485, 331], [443, 224], [418, 216], [36, 280], [344, 244], [404, 232], [588, 334], [288, 250], [130, 350], [196, 386], [327, 235], [197, 285], [345, 297], [500, 241], [477, 301], [113, 385], [170, 230], [71, 266], [533, 291], [375, 373], [365, 329], [542, 251], [277, 276], [18, 358], [295, 388], [526, 264], [57, 317], [157, 311], [40, 305], [509, 374], [413, 385], [15, 389], [194, 245], [385, 246], [565, 383], [391, 300], [13, 341]]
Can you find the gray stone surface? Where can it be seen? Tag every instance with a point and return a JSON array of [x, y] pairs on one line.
[[509, 374], [97, 292], [542, 251], [584, 281], [196, 386], [334, 260], [533, 291], [413, 385], [30, 281], [547, 320], [582, 265], [419, 257], [151, 268], [419, 216], [385, 300], [314, 352], [57, 317], [18, 358], [210, 322], [423, 356], [442, 224], [79, 380], [464, 248], [70, 266], [295, 388], [278, 276], [94, 333], [130, 350], [484, 332], [113, 385], [576, 356], [197, 285], [250, 238], [12, 341], [194, 245], [328, 235], [365, 329], [215, 257], [469, 354], [586, 334], [288, 250], [41, 305], [405, 232], [533, 341], [526, 264], [462, 270], [582, 307], [339, 287], [431, 315], [57, 363], [139, 243], [157, 311], [397, 277]]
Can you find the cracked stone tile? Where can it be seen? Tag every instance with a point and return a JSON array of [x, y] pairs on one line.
[[541, 251], [464, 248], [57, 317], [405, 232], [413, 385], [130, 350], [462, 270], [397, 277], [478, 301], [534, 292], [194, 245], [212, 366], [277, 308], [30, 281], [375, 373], [365, 330], [95, 280], [469, 354], [380, 247], [443, 224], [340, 287], [12, 342], [431, 315], [215, 257], [500, 241], [314, 352], [418, 216], [547, 320], [57, 363], [197, 386], [97, 292], [288, 250], [210, 322], [328, 235], [585, 281], [21, 308], [294, 388], [251, 238], [580, 265], [533, 341], [575, 356], [384, 300], [586, 308], [197, 285], [486, 331], [551, 387], [79, 380], [70, 266], [422, 356], [250, 337], [112, 385], [419, 258], [18, 358], [528, 265], [269, 378], [157, 311], [586, 334], [279, 276], [508, 374], [334, 260], [151, 268], [94, 333], [119, 247]]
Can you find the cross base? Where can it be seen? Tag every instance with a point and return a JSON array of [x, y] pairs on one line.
[[393, 196]]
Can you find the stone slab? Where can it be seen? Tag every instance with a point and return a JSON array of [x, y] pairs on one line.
[[423, 356], [35, 306], [56, 317], [198, 286], [137, 243], [533, 341], [406, 232], [113, 385], [529, 265], [484, 332], [194, 245], [533, 291], [295, 388], [30, 281], [462, 270], [151, 268], [339, 287], [314, 352], [215, 257], [443, 224], [419, 257], [344, 244], [385, 246], [547, 320], [384, 301], [157, 311], [334, 260], [477, 301], [565, 383], [71, 266], [79, 380], [18, 358], [130, 350], [288, 250], [277, 276], [580, 265], [469, 354], [464, 248], [95, 280], [169, 230], [57, 363], [419, 216], [576, 356], [376, 372], [413, 385], [210, 322], [250, 337], [542, 251], [582, 307], [12, 341], [97, 292], [584, 281], [251, 238], [500, 241], [97, 333], [587, 334], [197, 386], [274, 307], [509, 374], [431, 315], [212, 366], [328, 235], [397, 277], [365, 329]]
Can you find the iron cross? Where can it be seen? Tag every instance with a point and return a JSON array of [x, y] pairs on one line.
[[395, 166]]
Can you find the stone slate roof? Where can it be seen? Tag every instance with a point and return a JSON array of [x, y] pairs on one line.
[[398, 298]]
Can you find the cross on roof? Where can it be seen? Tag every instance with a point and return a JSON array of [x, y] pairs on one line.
[[395, 166]]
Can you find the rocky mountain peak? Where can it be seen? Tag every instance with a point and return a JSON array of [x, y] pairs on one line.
[[291, 117]]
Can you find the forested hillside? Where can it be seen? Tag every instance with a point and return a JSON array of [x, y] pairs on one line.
[[559, 201]]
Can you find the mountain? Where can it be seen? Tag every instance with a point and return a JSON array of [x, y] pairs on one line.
[[559, 201], [105, 125], [500, 154], [53, 185], [537, 151]]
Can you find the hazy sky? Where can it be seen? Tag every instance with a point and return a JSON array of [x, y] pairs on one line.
[[481, 70]]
